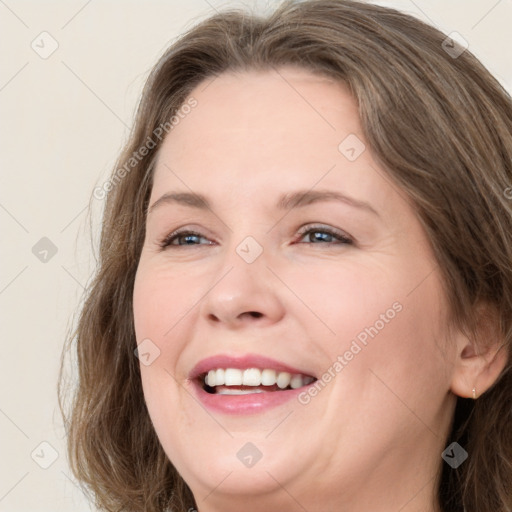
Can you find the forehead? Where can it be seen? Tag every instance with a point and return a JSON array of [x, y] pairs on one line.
[[252, 108], [255, 131]]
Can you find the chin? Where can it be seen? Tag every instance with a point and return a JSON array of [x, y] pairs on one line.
[[233, 466]]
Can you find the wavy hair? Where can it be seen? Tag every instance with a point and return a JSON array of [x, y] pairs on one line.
[[439, 124]]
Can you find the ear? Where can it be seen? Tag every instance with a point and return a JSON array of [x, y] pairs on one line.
[[479, 362]]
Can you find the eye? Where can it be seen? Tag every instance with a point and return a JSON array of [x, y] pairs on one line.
[[189, 238], [325, 235]]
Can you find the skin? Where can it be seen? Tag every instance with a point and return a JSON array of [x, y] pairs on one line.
[[372, 438]]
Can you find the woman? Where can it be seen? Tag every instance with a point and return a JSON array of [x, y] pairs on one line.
[[304, 293]]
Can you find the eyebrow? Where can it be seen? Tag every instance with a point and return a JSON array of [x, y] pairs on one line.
[[297, 199]]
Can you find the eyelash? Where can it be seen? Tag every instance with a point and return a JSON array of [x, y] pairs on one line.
[[341, 237]]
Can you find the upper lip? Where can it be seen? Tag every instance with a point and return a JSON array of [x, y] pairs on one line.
[[242, 362]]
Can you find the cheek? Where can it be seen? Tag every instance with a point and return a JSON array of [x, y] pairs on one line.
[[159, 302], [381, 321], [404, 357], [161, 297], [344, 298]]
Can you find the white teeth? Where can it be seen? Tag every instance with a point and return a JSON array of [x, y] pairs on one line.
[[232, 377], [296, 381], [283, 379], [219, 377], [254, 377], [268, 377], [210, 378]]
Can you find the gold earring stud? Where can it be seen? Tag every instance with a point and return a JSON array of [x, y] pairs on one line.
[[474, 393]]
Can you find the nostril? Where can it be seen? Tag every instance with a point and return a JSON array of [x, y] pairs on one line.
[[255, 314]]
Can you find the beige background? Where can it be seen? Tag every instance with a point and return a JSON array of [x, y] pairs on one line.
[[63, 120]]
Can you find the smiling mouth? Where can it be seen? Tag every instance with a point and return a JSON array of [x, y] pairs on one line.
[[234, 381]]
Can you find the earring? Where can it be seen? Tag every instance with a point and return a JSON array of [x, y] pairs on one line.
[[474, 393]]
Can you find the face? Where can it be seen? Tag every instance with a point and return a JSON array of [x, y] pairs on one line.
[[309, 264]]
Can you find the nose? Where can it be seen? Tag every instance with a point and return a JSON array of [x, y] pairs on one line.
[[243, 294]]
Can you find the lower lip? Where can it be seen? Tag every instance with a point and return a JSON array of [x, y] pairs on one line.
[[245, 404]]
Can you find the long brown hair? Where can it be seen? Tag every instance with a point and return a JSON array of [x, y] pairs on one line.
[[436, 121]]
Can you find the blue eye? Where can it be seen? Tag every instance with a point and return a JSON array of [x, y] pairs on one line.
[[327, 236], [188, 236]]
